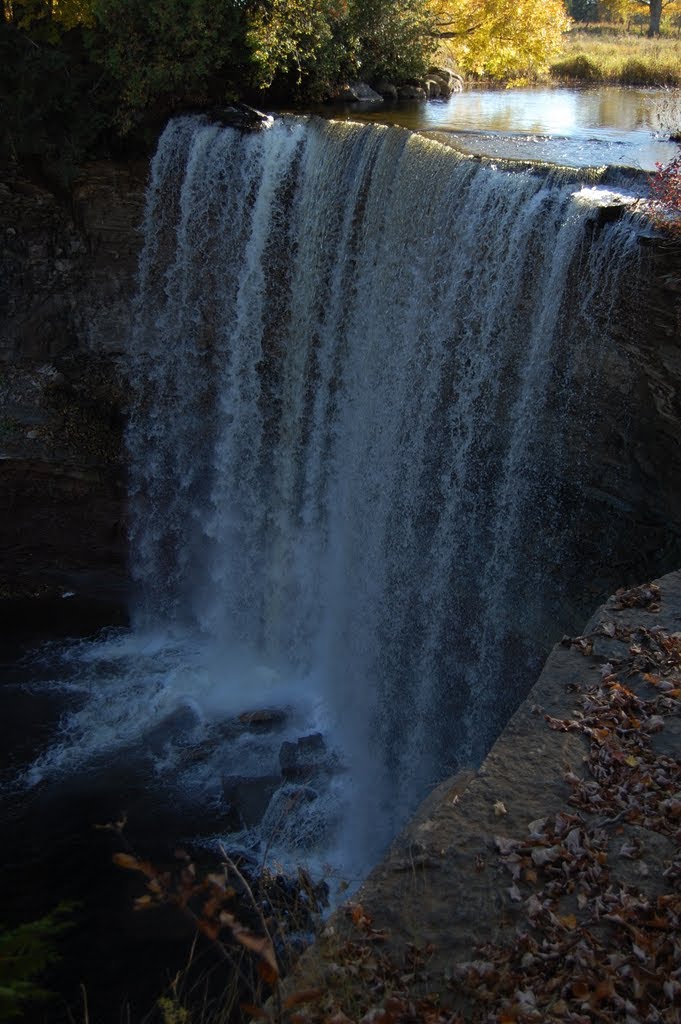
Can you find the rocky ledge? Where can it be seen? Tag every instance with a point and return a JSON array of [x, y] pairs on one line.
[[544, 887]]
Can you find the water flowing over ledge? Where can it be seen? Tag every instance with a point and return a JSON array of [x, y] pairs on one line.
[[364, 372]]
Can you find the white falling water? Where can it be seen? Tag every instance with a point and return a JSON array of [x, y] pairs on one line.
[[358, 369]]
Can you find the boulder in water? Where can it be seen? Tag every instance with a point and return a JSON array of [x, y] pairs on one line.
[[411, 92], [264, 719], [306, 757], [177, 729], [357, 92], [386, 89], [298, 818], [241, 116], [448, 80], [248, 798]]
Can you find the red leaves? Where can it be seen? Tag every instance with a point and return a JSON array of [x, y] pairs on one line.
[[665, 188], [208, 901]]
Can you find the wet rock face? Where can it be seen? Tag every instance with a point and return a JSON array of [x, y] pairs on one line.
[[306, 757], [636, 423], [68, 263]]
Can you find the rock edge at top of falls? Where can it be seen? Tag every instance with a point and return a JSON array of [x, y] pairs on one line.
[[447, 886]]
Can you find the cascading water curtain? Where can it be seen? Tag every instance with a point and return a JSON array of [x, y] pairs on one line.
[[361, 373]]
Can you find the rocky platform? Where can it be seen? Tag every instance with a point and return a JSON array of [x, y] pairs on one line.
[[544, 886]]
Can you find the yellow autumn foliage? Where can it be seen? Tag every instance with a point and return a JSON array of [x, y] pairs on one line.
[[499, 38], [625, 11]]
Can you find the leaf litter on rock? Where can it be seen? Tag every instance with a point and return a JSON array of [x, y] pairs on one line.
[[588, 946]]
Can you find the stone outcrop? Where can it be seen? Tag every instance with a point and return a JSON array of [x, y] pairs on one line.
[[449, 884], [357, 92], [635, 426], [442, 82], [69, 262]]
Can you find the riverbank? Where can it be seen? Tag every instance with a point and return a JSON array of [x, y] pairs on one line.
[[606, 54], [544, 887]]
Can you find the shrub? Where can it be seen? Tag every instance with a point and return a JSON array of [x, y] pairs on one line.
[[581, 68], [25, 953], [665, 187]]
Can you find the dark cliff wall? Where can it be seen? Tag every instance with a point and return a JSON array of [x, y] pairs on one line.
[[630, 476], [67, 265]]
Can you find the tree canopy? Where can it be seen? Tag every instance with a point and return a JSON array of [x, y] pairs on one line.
[[627, 10], [499, 38], [76, 75]]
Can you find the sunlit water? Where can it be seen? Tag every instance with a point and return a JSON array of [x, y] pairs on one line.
[[577, 127]]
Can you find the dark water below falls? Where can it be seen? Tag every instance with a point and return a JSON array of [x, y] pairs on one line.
[[362, 371]]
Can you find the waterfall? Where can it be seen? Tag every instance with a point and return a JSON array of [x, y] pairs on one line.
[[364, 370]]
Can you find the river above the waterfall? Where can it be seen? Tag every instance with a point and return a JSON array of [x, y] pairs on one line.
[[608, 125]]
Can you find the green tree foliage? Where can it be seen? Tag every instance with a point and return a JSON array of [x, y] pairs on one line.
[[80, 76], [290, 36], [163, 55], [391, 39], [316, 44], [25, 953], [51, 93]]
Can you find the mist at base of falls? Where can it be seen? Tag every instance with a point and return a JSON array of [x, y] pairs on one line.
[[363, 373]]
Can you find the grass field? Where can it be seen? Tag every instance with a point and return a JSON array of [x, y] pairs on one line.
[[602, 53]]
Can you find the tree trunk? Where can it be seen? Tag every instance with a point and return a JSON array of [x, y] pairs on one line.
[[655, 16]]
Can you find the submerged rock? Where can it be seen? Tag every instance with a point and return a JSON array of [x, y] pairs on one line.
[[242, 116], [357, 92], [248, 798], [264, 719], [304, 758]]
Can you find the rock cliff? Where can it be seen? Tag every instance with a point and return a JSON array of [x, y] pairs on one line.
[[68, 263]]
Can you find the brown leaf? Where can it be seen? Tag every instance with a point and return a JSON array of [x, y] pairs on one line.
[[259, 944], [208, 928], [359, 918], [132, 863], [269, 974], [255, 1011], [309, 995]]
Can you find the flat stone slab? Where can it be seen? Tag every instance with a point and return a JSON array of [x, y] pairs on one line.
[[447, 886]]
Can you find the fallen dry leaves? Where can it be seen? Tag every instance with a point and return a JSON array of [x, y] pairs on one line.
[[588, 947]]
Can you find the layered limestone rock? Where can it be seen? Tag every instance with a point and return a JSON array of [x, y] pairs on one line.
[[69, 263]]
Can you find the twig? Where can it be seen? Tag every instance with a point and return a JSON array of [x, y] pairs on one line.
[[258, 909]]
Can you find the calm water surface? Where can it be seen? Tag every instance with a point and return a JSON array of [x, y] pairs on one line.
[[580, 128]]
